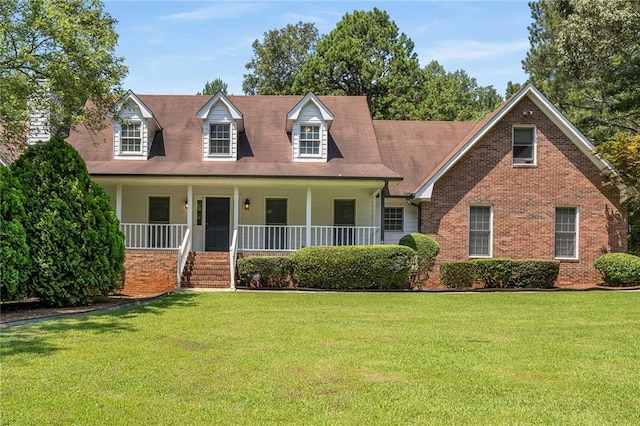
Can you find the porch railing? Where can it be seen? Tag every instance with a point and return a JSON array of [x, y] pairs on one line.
[[153, 236], [293, 237]]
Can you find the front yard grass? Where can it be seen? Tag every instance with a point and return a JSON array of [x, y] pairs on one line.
[[332, 358]]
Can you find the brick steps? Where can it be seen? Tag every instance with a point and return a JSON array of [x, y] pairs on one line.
[[206, 270]]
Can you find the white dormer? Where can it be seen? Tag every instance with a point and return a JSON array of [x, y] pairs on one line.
[[309, 123], [221, 124], [134, 127]]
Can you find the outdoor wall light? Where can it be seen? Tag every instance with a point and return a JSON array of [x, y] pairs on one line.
[[186, 203], [247, 204]]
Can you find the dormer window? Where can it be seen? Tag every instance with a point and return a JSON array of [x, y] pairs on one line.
[[131, 138], [310, 141], [221, 124], [309, 122], [219, 139]]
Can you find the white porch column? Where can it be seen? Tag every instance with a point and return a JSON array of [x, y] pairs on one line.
[[236, 207], [308, 220], [190, 207], [119, 201]]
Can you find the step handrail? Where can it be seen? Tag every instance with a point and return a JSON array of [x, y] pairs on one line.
[[233, 253], [183, 254]]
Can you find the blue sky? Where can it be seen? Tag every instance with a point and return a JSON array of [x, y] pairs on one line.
[[175, 47]]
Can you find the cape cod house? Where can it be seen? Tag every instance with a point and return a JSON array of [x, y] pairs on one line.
[[197, 180]]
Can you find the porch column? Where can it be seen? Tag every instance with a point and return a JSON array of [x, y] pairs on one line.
[[119, 201], [308, 220], [236, 206], [384, 188], [190, 207]]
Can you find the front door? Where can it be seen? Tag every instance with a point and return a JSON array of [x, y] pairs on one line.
[[276, 221], [216, 234], [344, 219]]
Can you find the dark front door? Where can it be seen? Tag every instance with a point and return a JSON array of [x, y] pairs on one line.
[[276, 219], [344, 219], [216, 236]]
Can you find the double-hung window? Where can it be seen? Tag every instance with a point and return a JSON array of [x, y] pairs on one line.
[[220, 139], [566, 233], [480, 231], [524, 145], [131, 138], [393, 219], [309, 141]]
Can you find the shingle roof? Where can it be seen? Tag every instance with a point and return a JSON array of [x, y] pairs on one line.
[[414, 148], [264, 149]]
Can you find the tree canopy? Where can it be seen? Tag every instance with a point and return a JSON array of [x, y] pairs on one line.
[[585, 55], [213, 87], [278, 58], [68, 43]]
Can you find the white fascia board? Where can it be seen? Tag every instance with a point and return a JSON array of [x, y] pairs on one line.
[[130, 96], [292, 116], [203, 112]]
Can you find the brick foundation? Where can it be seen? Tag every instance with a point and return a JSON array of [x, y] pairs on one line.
[[523, 199], [150, 272]]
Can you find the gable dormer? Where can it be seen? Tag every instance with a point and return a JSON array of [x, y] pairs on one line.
[[134, 127], [221, 124], [309, 123]]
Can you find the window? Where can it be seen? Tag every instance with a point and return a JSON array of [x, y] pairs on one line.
[[159, 218], [131, 138], [524, 145], [566, 232], [480, 231], [309, 141], [393, 219], [219, 139]]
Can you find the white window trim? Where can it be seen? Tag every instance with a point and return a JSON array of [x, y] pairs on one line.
[[403, 218], [231, 129], [149, 196], [321, 128], [535, 145], [478, 256], [123, 153], [576, 256]]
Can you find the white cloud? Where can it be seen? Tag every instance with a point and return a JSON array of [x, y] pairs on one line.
[[451, 50], [223, 10]]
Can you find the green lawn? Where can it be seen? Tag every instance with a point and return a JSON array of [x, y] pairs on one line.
[[332, 358]]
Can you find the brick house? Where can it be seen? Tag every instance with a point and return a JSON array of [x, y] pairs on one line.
[[197, 181]]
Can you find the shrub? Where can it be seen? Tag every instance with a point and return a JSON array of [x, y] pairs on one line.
[[77, 248], [15, 263], [457, 274], [352, 267], [619, 269], [534, 273], [426, 249], [494, 273], [268, 271]]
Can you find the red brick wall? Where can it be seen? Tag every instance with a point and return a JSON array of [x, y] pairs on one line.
[[524, 199], [150, 272]]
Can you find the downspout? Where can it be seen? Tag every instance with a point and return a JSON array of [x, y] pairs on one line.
[[409, 198], [384, 188]]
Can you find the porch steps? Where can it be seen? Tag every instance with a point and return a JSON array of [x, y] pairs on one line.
[[206, 270]]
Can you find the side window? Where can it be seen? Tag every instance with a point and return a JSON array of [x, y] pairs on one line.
[[480, 231], [566, 233], [524, 145], [393, 219]]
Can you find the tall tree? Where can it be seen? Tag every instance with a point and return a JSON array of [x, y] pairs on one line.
[[68, 43], [213, 87], [453, 96], [365, 55], [585, 55], [278, 58]]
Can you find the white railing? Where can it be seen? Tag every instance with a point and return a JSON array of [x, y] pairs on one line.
[[183, 254], [293, 237], [233, 256], [153, 236]]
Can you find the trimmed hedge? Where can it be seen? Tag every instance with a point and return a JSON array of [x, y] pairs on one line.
[[352, 267], [457, 274], [534, 273], [425, 247], [494, 273], [265, 271], [619, 269]]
